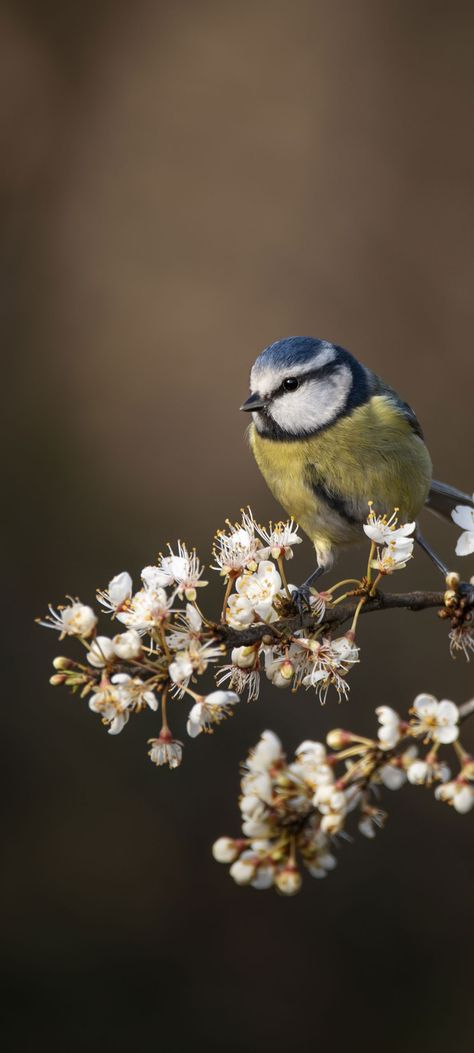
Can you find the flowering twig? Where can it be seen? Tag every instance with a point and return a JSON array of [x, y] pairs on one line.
[[333, 617], [291, 812]]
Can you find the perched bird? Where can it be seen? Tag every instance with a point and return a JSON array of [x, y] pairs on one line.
[[328, 436]]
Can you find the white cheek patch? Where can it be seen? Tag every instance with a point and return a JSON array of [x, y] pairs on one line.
[[316, 403], [259, 421], [267, 380]]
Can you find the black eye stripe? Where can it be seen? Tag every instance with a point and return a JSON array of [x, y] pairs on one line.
[[312, 374]]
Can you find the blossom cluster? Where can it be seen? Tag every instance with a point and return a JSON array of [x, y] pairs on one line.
[[166, 643], [294, 814], [164, 647]]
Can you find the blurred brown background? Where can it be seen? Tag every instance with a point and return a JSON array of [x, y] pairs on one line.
[[182, 184]]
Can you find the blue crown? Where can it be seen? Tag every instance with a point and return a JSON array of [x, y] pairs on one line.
[[291, 350]]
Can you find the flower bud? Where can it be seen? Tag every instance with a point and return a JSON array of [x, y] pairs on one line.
[[464, 799], [452, 579], [283, 675], [100, 652], [288, 881], [287, 669], [225, 850], [418, 772], [57, 679], [127, 645], [243, 657], [62, 663], [242, 871], [337, 738]]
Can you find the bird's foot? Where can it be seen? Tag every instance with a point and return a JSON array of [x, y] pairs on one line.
[[460, 593], [465, 591], [301, 599], [304, 597]]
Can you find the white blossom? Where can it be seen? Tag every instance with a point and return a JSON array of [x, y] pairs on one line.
[[332, 804], [195, 659], [390, 730], [128, 645], [243, 657], [435, 720], [384, 531], [181, 670], [146, 610], [311, 764], [327, 662], [112, 704], [120, 696], [264, 876], [458, 793], [253, 806], [243, 870], [225, 850], [75, 619], [288, 880], [392, 776], [117, 593], [243, 674], [166, 750], [155, 578], [257, 787], [239, 612], [183, 570], [139, 695], [209, 711], [187, 629], [100, 652], [266, 753], [394, 556], [254, 595], [463, 516], [279, 540], [313, 752], [422, 772], [238, 550], [279, 669], [256, 828]]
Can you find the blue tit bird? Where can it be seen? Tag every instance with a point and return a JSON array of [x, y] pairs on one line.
[[329, 436]]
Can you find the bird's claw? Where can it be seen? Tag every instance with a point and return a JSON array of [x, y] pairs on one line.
[[301, 597], [466, 593]]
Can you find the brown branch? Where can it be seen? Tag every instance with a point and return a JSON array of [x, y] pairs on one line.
[[333, 618], [466, 710]]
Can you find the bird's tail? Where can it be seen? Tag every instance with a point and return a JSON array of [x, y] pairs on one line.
[[442, 498]]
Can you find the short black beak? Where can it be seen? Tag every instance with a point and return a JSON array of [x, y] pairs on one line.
[[254, 402]]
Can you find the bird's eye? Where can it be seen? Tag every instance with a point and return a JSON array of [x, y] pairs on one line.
[[291, 384]]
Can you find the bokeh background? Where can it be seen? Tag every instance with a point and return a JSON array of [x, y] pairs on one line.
[[181, 184]]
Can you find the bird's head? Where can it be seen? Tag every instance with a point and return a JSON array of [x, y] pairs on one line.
[[300, 385]]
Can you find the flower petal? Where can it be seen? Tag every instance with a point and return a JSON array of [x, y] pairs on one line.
[[448, 713], [463, 516], [465, 544], [446, 734], [425, 705]]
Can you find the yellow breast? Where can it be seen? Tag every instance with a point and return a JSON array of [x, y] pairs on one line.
[[372, 454]]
